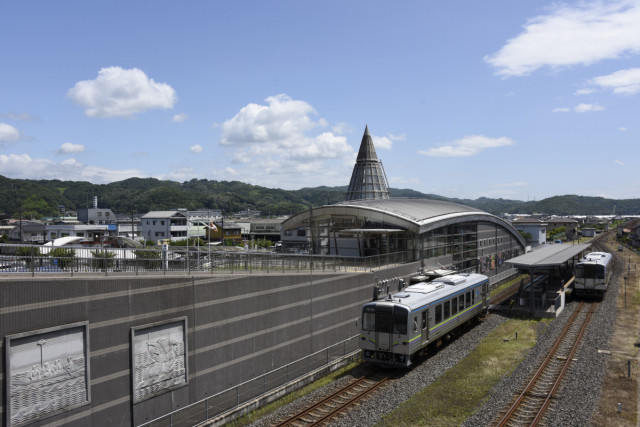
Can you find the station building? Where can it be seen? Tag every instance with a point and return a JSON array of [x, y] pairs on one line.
[[370, 222]]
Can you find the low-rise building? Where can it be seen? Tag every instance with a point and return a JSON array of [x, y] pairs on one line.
[[89, 232], [536, 228], [161, 225], [96, 216], [29, 232], [570, 226], [224, 231]]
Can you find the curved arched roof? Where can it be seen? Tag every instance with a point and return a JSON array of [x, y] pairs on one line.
[[416, 215]]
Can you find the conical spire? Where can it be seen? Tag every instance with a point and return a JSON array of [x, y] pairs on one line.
[[367, 150], [368, 180]]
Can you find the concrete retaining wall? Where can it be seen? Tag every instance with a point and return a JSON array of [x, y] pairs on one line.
[[237, 327]]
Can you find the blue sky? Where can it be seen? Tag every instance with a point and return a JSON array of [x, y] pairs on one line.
[[511, 99]]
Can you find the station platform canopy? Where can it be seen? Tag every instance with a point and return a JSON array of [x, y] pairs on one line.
[[548, 256]]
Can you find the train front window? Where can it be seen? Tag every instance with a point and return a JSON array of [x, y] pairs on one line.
[[385, 319], [400, 316], [590, 271], [369, 320]]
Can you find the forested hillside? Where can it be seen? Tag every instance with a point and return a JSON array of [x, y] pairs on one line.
[[39, 198]]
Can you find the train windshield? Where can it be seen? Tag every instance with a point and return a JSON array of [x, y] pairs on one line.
[[386, 319], [590, 271]]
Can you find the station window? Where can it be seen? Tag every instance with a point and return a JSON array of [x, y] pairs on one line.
[[454, 306], [446, 309], [438, 314]]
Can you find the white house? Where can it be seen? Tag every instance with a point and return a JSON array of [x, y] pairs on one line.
[[159, 225], [535, 227]]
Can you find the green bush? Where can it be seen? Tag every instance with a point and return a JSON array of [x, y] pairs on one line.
[[63, 257], [102, 259], [151, 259]]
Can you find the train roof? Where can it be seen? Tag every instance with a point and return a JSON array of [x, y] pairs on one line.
[[596, 258], [419, 294]]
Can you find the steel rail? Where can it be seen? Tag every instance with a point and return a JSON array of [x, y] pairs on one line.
[[565, 366], [541, 369], [330, 406]]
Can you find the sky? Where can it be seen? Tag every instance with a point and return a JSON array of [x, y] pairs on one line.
[[519, 100]]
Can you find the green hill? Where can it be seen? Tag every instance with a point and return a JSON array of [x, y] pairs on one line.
[[39, 198]]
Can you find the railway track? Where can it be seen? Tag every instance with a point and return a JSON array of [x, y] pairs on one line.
[[506, 294], [530, 406], [322, 412]]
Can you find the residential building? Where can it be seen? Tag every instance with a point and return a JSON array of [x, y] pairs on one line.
[[224, 231], [570, 226], [161, 225], [535, 227]]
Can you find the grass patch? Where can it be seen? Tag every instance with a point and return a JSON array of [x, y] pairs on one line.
[[273, 406], [635, 299], [457, 394], [505, 285]]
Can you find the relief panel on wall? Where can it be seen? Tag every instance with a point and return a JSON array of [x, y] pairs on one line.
[[47, 372], [159, 357]]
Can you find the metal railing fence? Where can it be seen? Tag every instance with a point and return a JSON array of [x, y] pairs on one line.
[[63, 259], [231, 398]]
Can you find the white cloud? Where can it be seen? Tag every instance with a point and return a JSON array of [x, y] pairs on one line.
[[196, 148], [179, 118], [585, 91], [23, 166], [383, 142], [69, 148], [467, 146], [621, 82], [23, 117], [341, 128], [587, 108], [577, 34], [580, 108], [117, 92], [282, 120], [619, 162], [386, 142], [8, 133], [272, 145], [622, 129]]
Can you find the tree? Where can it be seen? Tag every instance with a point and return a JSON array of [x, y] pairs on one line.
[[102, 259], [526, 236], [148, 258], [63, 257]]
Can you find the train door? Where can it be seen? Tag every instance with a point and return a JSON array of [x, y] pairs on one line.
[[425, 326], [384, 328], [485, 294]]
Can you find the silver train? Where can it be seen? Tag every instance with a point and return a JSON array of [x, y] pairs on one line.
[[396, 329], [593, 273]]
